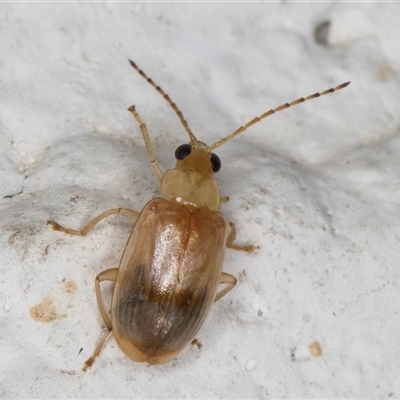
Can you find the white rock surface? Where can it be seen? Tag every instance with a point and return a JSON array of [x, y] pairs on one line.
[[317, 187]]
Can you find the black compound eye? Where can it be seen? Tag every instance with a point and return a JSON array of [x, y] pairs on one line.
[[215, 162], [183, 151]]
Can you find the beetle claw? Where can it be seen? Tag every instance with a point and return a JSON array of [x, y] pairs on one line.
[[88, 363]]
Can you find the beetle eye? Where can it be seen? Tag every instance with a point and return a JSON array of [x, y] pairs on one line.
[[215, 163], [183, 151]]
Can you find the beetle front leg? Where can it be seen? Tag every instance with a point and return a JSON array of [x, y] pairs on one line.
[[158, 171], [232, 237], [107, 275], [126, 212], [230, 280]]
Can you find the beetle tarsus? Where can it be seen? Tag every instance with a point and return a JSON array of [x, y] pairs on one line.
[[55, 226], [90, 360], [88, 363]]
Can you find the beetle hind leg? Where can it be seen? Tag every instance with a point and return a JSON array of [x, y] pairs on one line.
[[231, 239], [90, 360], [107, 275]]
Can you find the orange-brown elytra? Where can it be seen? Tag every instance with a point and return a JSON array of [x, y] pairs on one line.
[[171, 268]]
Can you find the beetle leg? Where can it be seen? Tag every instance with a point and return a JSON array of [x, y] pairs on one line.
[[158, 171], [89, 361], [126, 212], [232, 237], [107, 275], [225, 278], [224, 199]]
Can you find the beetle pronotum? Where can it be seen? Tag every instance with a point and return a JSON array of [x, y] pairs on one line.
[[171, 267]]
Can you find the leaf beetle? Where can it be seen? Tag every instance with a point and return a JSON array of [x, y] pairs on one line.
[[171, 268]]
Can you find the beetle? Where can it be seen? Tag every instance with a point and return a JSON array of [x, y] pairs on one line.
[[171, 267]]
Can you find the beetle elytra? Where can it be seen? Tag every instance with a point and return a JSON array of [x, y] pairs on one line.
[[171, 268]]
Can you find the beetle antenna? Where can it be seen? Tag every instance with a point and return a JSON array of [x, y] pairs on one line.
[[273, 111], [169, 101]]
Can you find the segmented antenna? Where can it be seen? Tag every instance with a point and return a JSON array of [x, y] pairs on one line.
[[273, 111], [169, 101]]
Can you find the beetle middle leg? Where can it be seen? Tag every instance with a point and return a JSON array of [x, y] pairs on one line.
[[232, 237], [227, 278], [126, 212], [107, 275]]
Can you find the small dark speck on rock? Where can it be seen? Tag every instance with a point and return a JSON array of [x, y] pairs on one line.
[[321, 33]]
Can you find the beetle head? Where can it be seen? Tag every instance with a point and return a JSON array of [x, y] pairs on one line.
[[192, 180]]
